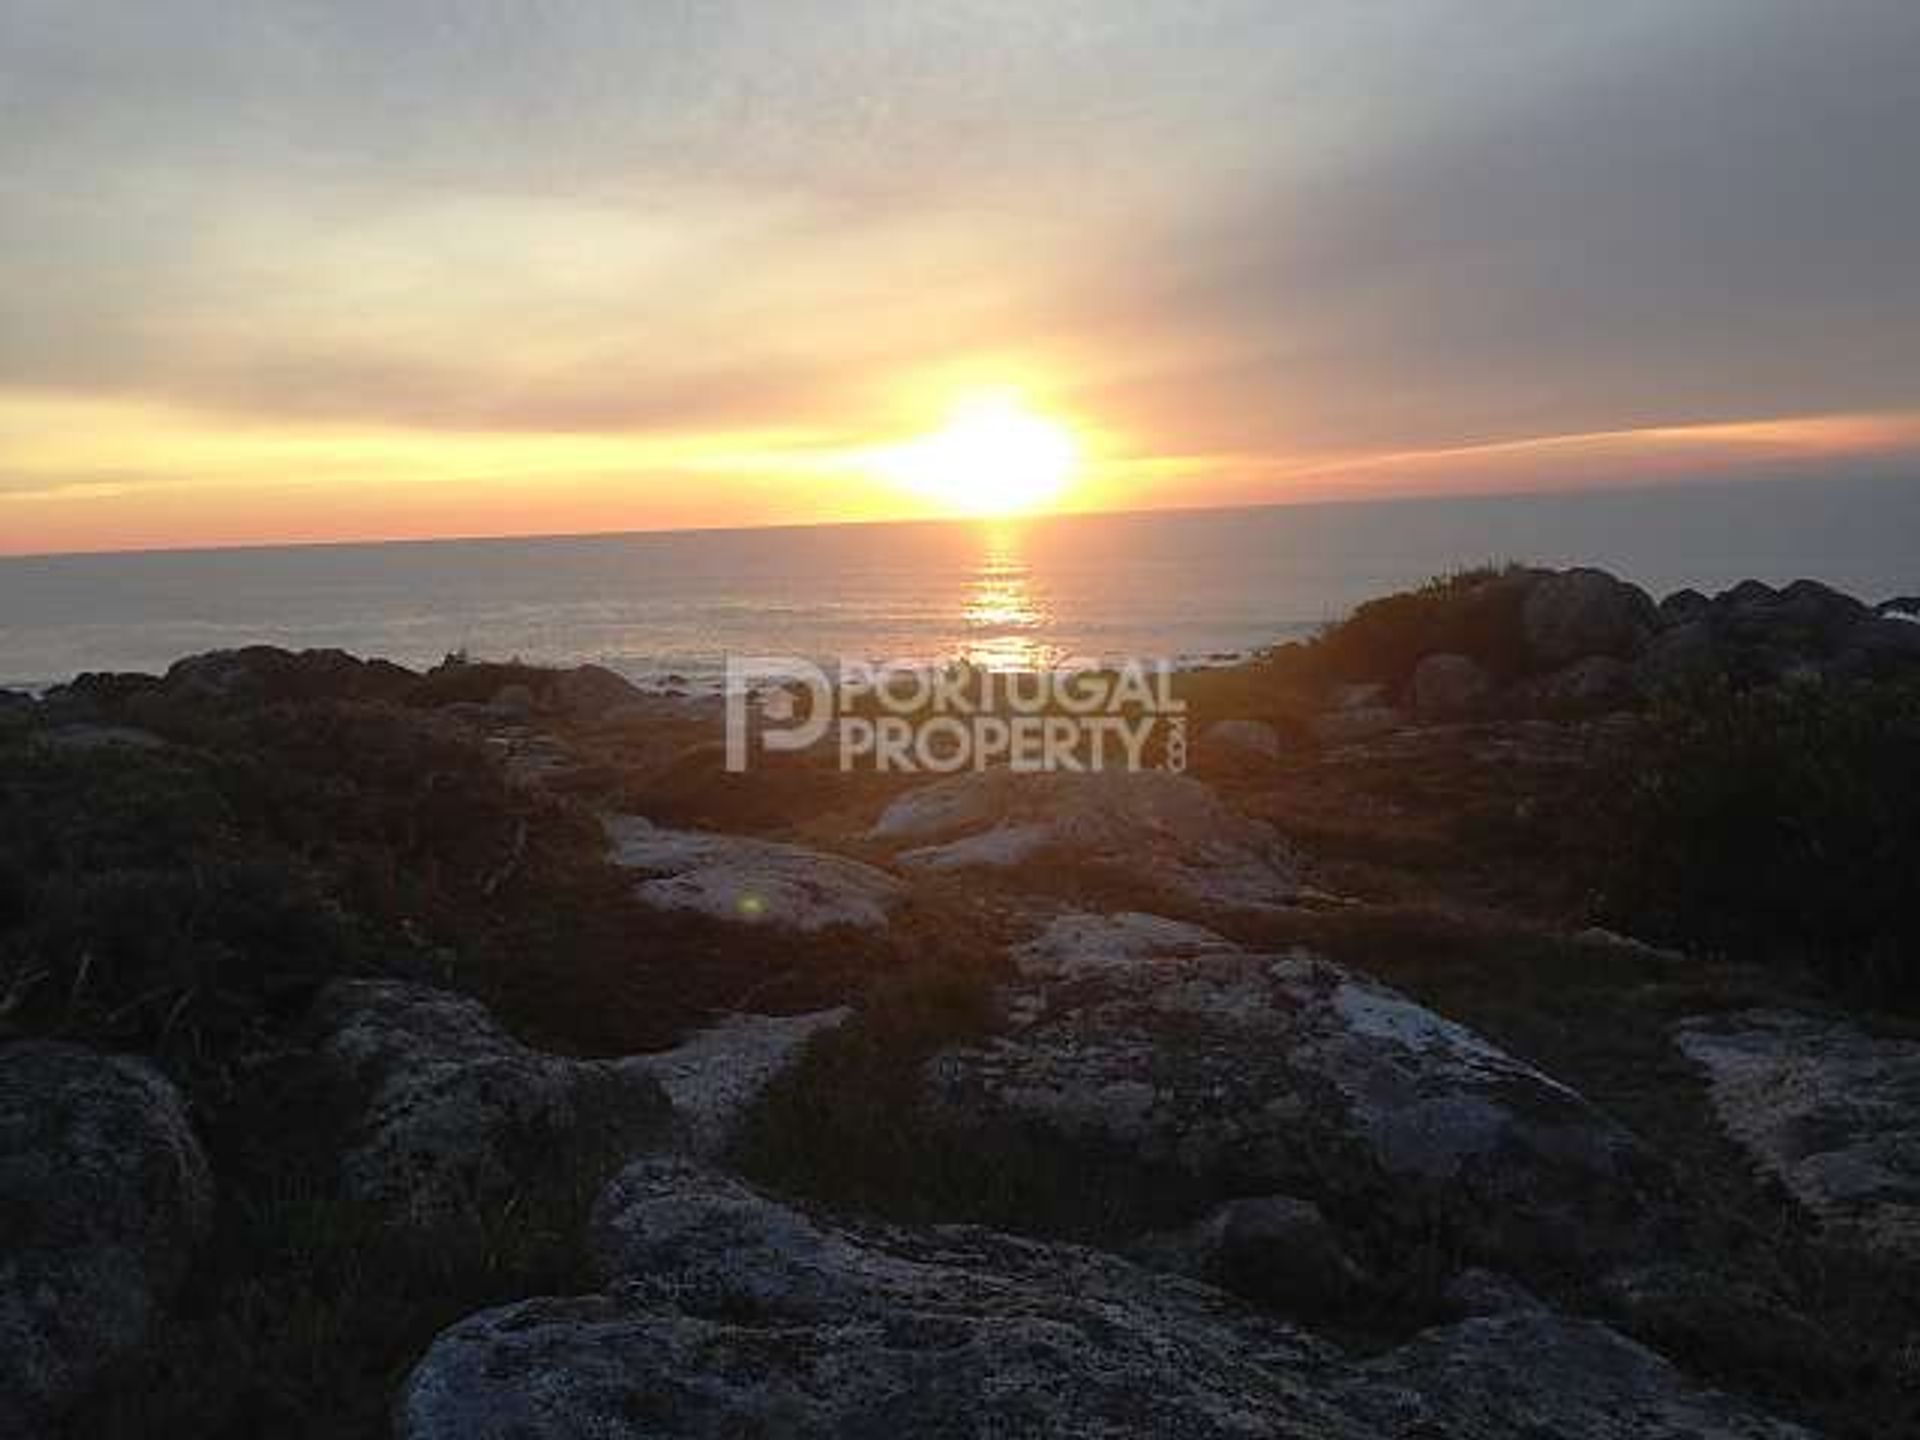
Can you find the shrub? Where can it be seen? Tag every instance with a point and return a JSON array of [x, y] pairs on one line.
[[1776, 824], [1474, 612]]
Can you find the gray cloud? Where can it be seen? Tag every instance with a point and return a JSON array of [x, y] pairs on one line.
[[1712, 222], [1271, 226]]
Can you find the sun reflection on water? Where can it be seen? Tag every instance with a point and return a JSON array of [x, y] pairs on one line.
[[1003, 613]]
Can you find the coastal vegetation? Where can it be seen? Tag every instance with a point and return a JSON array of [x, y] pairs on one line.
[[191, 864]]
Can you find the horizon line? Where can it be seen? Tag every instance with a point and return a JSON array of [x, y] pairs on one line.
[[1593, 491]]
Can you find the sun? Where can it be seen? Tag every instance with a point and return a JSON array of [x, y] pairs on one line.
[[993, 456]]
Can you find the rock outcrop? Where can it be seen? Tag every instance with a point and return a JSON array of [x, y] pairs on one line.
[[104, 1192], [452, 1113], [1755, 634], [751, 881], [1832, 1113], [1284, 1073], [727, 1313], [1162, 829], [716, 1075], [260, 674], [1573, 614], [1449, 687]]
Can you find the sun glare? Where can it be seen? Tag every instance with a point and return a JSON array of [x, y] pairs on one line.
[[993, 456]]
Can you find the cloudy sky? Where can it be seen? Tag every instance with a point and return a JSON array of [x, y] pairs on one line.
[[313, 271]]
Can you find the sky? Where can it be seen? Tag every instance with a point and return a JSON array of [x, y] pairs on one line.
[[295, 272]]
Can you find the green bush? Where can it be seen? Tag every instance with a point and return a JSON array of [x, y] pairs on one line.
[[1474, 612], [1776, 824]]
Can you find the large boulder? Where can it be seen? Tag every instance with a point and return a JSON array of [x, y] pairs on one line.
[[727, 1313], [1449, 687], [1572, 614], [1163, 829], [1683, 606], [104, 1192], [751, 881], [1830, 1112], [1236, 1073], [452, 1114], [1754, 634]]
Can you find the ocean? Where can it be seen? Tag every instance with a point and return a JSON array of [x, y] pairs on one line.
[[669, 607]]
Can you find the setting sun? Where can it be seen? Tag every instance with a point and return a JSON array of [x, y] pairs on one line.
[[994, 456]]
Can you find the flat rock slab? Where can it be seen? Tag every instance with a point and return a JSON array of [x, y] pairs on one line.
[[104, 1191], [1133, 1038], [751, 881], [1169, 830], [453, 1113], [727, 1313], [1829, 1111]]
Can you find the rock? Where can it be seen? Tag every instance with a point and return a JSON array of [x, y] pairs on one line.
[[262, 674], [1533, 1373], [1804, 633], [1745, 595], [726, 1313], [762, 882], [592, 692], [1572, 614], [1449, 687], [1681, 607], [1687, 654], [104, 1192], [1818, 612], [1077, 946], [1681, 1310], [713, 1078], [1162, 829], [95, 697], [1830, 1112], [1900, 607], [1477, 1292], [1881, 647], [729, 1314], [1245, 1073], [454, 1114], [1585, 687], [1349, 727], [1242, 739], [1274, 1250]]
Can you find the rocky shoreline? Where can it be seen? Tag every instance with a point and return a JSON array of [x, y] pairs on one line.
[[470, 1053]]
